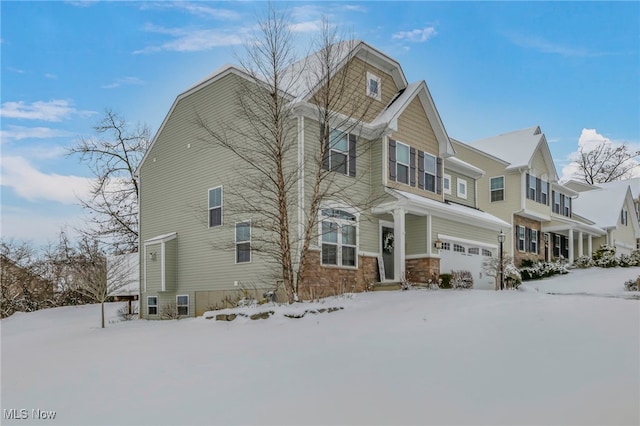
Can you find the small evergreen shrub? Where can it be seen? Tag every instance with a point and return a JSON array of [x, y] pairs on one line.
[[632, 285], [584, 262], [605, 257], [635, 257], [543, 270], [445, 281], [625, 261], [461, 279], [512, 277]]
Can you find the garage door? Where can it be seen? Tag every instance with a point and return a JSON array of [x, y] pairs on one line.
[[456, 256]]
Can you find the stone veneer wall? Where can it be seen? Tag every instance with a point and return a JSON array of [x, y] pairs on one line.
[[519, 256], [422, 270], [323, 281]]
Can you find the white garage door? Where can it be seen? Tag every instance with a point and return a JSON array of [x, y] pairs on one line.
[[456, 256]]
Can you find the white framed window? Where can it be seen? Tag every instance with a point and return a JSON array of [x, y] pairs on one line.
[[402, 162], [374, 86], [182, 305], [533, 246], [339, 238], [556, 202], [497, 188], [339, 151], [474, 250], [215, 206], [487, 252], [532, 187], [243, 242], [458, 248], [544, 192], [430, 172], [446, 184], [567, 206], [462, 188], [152, 305], [624, 220], [521, 238]]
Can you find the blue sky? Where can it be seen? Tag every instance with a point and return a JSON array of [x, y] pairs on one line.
[[491, 68]]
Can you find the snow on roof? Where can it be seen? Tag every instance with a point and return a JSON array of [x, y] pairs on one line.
[[397, 104], [515, 147], [633, 184], [457, 164], [602, 206]]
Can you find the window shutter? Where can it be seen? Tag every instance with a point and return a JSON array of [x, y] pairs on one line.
[[538, 190], [352, 155], [561, 204], [327, 153], [527, 189], [538, 243], [439, 176], [527, 239], [412, 167], [420, 169], [392, 160]]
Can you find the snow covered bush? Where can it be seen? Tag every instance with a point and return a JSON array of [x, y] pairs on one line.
[[584, 262], [635, 257], [461, 279], [512, 277], [605, 257], [625, 261], [537, 270], [445, 280], [632, 285]]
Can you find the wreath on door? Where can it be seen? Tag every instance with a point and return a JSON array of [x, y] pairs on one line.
[[387, 243]]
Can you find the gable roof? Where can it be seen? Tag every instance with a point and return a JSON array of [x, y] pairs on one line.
[[518, 148], [602, 206]]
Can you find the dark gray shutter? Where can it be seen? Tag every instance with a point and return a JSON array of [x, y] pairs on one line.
[[420, 169], [527, 239], [412, 166], [439, 176], [538, 190], [327, 153], [561, 204], [392, 160], [527, 190], [352, 155], [538, 243]]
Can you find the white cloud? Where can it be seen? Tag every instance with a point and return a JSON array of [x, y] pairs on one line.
[[590, 139], [417, 35], [51, 76], [546, 46], [354, 8], [32, 184], [40, 226], [126, 81], [306, 27], [54, 110], [189, 40], [20, 132], [198, 9]]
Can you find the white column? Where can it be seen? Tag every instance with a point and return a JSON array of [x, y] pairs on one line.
[[429, 236], [580, 249], [570, 246], [590, 245], [398, 244]]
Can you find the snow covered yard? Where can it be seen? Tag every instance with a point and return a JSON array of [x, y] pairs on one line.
[[413, 357]]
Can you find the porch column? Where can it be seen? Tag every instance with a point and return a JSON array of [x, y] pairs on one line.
[[429, 237], [590, 245], [580, 249], [398, 244], [570, 246]]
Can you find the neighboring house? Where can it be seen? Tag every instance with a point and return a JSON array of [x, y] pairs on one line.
[[195, 250], [520, 186], [123, 276], [22, 289], [612, 206]]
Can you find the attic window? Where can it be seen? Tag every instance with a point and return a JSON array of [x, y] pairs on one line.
[[374, 86]]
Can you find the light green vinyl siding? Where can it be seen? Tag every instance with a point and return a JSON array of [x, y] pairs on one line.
[[416, 234], [153, 268]]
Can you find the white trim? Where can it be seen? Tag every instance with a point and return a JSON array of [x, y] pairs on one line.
[[188, 303], [301, 182], [209, 208], [435, 172], [429, 236], [408, 164], [445, 177], [368, 254], [459, 193], [466, 241], [156, 305], [385, 160], [163, 283], [504, 188], [337, 205], [421, 256], [144, 272], [161, 238], [377, 95]]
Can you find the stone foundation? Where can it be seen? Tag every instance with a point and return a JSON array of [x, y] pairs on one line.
[[422, 270], [322, 281]]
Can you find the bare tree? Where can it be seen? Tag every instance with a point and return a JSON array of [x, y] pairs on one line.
[[266, 143], [606, 163], [113, 155], [90, 273]]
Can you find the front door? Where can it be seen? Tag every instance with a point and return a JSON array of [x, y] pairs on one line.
[[387, 252]]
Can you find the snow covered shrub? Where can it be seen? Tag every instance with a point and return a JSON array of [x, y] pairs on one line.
[[635, 257], [584, 262], [542, 270], [625, 261], [632, 285], [605, 257], [461, 279], [512, 277]]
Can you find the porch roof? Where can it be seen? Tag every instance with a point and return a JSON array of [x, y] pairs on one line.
[[561, 225], [422, 206]]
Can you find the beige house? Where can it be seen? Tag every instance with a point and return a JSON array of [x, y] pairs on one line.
[[520, 186], [612, 206], [198, 247]]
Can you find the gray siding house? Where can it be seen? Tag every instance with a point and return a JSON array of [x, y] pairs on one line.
[[408, 209]]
